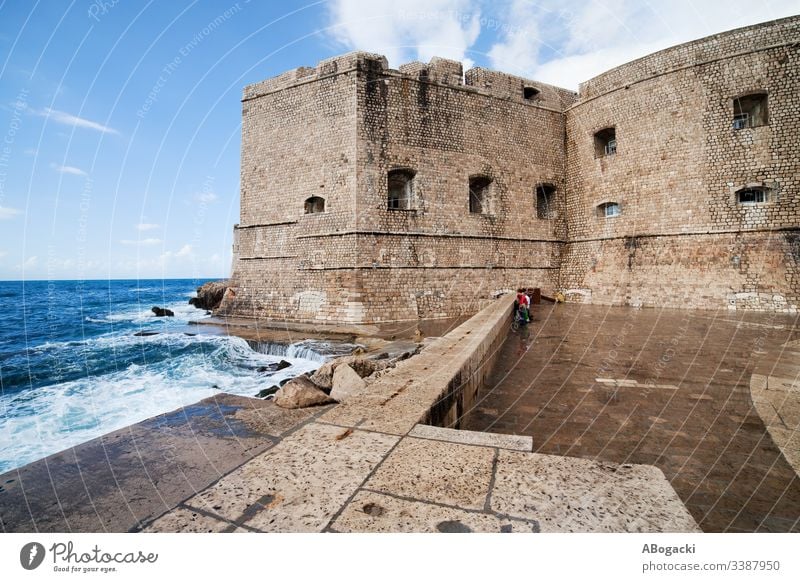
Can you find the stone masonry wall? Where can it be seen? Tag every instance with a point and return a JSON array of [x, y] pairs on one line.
[[682, 239], [437, 257], [298, 141]]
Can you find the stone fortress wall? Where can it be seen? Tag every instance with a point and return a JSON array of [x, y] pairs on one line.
[[682, 238], [687, 212]]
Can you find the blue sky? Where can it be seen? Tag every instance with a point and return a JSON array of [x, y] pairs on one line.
[[120, 119]]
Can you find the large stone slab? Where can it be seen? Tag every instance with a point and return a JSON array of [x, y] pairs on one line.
[[471, 437], [567, 494], [379, 513], [301, 483], [117, 482], [439, 472], [190, 520]]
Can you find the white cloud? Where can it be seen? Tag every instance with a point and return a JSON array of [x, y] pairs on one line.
[[75, 121], [7, 213], [31, 262], [143, 226], [519, 52], [404, 31], [3, 254], [68, 170], [577, 40], [185, 251], [142, 242], [206, 197]]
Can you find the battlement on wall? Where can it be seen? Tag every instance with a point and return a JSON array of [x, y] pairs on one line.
[[325, 68], [438, 71], [783, 32]]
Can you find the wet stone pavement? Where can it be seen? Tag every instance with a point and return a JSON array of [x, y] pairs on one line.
[[669, 388]]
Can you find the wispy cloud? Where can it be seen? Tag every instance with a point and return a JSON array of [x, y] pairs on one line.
[[206, 197], [404, 31], [3, 254], [7, 213], [143, 226], [68, 170], [185, 251], [75, 121], [142, 242]]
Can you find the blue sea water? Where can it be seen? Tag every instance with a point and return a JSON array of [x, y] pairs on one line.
[[71, 368]]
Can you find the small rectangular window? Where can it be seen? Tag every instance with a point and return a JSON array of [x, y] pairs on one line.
[[608, 210], [605, 142], [401, 189], [751, 196], [545, 201], [750, 111], [479, 194]]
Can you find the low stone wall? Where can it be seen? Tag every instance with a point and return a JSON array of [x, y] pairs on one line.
[[436, 386], [459, 396]]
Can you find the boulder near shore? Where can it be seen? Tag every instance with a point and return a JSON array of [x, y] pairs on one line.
[[209, 295]]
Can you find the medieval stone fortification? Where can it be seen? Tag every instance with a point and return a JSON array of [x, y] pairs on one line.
[[372, 194]]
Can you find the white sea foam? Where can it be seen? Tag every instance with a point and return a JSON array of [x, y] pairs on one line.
[[39, 422]]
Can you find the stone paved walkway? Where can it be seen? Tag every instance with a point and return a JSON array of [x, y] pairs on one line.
[[331, 478], [664, 387]]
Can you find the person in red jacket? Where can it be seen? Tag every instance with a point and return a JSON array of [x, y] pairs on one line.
[[523, 305]]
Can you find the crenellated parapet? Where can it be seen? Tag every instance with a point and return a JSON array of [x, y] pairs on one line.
[[357, 60], [514, 88], [439, 71]]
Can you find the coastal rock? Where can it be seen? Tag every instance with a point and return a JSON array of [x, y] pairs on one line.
[[346, 382], [362, 366], [282, 365], [209, 295], [301, 393], [267, 391], [145, 333], [163, 312]]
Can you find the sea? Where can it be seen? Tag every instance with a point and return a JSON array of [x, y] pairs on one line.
[[73, 368]]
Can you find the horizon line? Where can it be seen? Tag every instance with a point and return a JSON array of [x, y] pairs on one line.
[[113, 279]]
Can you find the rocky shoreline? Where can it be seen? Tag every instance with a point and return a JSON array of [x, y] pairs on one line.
[[337, 380]]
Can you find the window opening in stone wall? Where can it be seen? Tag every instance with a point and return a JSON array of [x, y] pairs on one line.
[[401, 189], [750, 111], [608, 210], [314, 205], [751, 196], [545, 201], [605, 142], [479, 194], [530, 93]]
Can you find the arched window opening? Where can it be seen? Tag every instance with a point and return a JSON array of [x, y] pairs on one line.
[[748, 196], [401, 189], [750, 111], [314, 205], [530, 93], [545, 201], [608, 210], [479, 194], [605, 142]]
